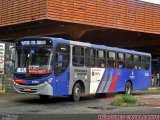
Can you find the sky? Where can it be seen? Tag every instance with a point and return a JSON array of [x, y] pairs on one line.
[[152, 1]]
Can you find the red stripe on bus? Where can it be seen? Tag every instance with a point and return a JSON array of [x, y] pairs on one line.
[[113, 82]]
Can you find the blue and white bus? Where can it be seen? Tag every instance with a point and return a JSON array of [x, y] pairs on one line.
[[57, 67]]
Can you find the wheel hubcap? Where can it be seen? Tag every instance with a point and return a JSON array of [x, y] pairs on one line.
[[77, 92], [128, 89]]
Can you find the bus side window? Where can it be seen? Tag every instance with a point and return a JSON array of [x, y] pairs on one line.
[[101, 58], [128, 61], [90, 55], [120, 60], [78, 56], [62, 58], [137, 61], [111, 61], [145, 62]]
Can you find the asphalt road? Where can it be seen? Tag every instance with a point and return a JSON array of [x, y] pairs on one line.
[[27, 107]]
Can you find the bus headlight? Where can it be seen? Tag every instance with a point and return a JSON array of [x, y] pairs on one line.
[[43, 84], [50, 80], [46, 82]]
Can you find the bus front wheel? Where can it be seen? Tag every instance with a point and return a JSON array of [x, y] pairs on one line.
[[128, 88], [76, 92]]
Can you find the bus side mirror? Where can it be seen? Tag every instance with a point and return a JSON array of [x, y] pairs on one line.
[[60, 59], [11, 54]]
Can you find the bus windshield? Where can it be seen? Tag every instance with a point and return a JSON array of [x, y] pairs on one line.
[[34, 60]]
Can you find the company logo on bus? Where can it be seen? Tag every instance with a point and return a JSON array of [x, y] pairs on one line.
[[95, 73], [132, 75]]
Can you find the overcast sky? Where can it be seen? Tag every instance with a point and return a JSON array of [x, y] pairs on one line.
[[152, 1]]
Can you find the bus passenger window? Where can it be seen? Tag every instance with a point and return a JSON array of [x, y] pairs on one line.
[[78, 56], [90, 55], [120, 60], [137, 61], [101, 58], [145, 62], [111, 62], [129, 61]]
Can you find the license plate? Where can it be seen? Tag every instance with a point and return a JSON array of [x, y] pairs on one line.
[[27, 89]]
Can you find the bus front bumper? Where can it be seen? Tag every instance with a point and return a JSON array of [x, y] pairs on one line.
[[37, 89]]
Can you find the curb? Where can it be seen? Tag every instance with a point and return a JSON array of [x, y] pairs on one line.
[[154, 89]]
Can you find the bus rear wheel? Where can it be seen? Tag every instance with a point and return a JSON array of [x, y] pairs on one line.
[[76, 92], [44, 97], [128, 88]]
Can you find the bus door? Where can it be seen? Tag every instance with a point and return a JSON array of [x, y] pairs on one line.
[[62, 69], [97, 74]]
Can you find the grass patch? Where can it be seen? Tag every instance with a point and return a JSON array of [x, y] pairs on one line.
[[125, 100]]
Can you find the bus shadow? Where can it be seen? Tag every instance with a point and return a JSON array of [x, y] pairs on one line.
[[62, 99], [85, 98], [37, 100]]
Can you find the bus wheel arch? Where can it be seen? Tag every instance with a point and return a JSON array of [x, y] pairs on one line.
[[77, 89], [128, 87]]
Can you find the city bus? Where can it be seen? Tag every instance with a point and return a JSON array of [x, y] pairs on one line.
[[49, 66]]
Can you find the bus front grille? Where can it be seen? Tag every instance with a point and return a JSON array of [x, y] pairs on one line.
[[28, 91]]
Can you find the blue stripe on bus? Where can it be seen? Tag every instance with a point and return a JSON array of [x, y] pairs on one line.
[[108, 79], [105, 84]]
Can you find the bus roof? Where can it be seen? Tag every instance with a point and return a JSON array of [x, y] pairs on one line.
[[85, 44]]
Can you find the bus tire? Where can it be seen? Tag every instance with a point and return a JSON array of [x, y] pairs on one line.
[[128, 88], [44, 97], [76, 92]]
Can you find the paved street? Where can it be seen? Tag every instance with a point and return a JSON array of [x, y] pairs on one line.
[[31, 105]]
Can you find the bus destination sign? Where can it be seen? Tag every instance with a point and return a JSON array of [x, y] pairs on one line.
[[33, 42]]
